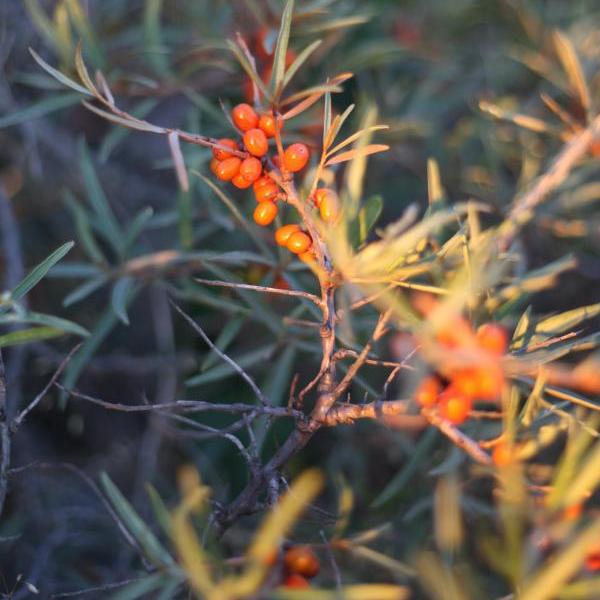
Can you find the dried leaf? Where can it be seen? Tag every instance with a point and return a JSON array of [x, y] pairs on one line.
[[357, 153]]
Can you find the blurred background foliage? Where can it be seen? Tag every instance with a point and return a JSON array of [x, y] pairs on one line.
[[429, 67]]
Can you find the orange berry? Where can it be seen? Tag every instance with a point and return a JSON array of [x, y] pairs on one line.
[[573, 511], [299, 242], [301, 560], [483, 382], [250, 169], [261, 182], [214, 163], [240, 182], [227, 169], [223, 154], [295, 157], [256, 142], [329, 208], [592, 561], [265, 213], [308, 256], [282, 235], [493, 338], [595, 149], [267, 193], [296, 581], [502, 455], [269, 125], [244, 117], [428, 391], [454, 406]]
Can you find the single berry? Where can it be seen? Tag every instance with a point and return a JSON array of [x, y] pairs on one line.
[[301, 560], [250, 169], [240, 182], [573, 511], [227, 169], [307, 257], [296, 582], [214, 163], [244, 117], [261, 182], [592, 561], [269, 124], [493, 338], [299, 242], [223, 154], [502, 455], [265, 213], [282, 235], [256, 142], [329, 207], [267, 193], [428, 391], [295, 157], [454, 406]]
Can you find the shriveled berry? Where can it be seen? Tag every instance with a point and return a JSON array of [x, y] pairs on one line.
[[282, 235], [296, 582], [265, 213], [227, 169], [302, 561], [428, 391], [493, 338], [269, 124], [299, 242], [454, 406], [244, 117], [241, 182], [256, 142], [251, 169], [266, 193], [295, 157], [223, 154]]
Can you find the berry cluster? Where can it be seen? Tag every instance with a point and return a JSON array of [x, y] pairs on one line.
[[247, 165], [300, 564], [484, 381]]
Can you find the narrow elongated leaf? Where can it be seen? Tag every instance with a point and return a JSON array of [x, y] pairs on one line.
[[35, 111], [40, 271], [153, 549], [356, 136], [298, 62], [250, 71], [84, 290], [368, 215], [281, 47], [34, 318], [226, 336], [570, 62], [143, 587], [178, 161], [32, 334], [357, 153], [565, 321], [84, 229], [83, 72], [120, 296], [336, 126], [126, 122], [56, 74]]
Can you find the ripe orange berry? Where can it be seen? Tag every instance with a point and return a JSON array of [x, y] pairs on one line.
[[223, 154], [267, 193], [295, 157], [428, 391], [282, 235], [299, 242], [454, 406], [261, 182], [250, 169], [329, 208], [240, 182], [301, 560], [227, 169], [483, 382], [592, 561], [502, 455], [256, 142], [296, 582], [265, 213], [308, 256], [269, 125], [493, 338], [244, 117], [214, 163], [573, 511]]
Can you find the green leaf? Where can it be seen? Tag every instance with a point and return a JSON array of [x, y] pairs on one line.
[[120, 297], [368, 215], [137, 226], [250, 71], [108, 225], [143, 587], [566, 321], [226, 336], [281, 47], [39, 272], [84, 290], [152, 37], [56, 74], [224, 370], [150, 545], [298, 62], [24, 336], [84, 228], [35, 318], [39, 109], [161, 512]]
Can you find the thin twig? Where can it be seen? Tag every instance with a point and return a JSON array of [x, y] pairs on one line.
[[4, 437], [257, 391], [262, 289]]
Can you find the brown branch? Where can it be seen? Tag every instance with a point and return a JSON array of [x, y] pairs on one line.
[[4, 437], [262, 289]]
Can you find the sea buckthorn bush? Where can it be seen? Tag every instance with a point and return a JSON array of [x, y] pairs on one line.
[[327, 327]]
